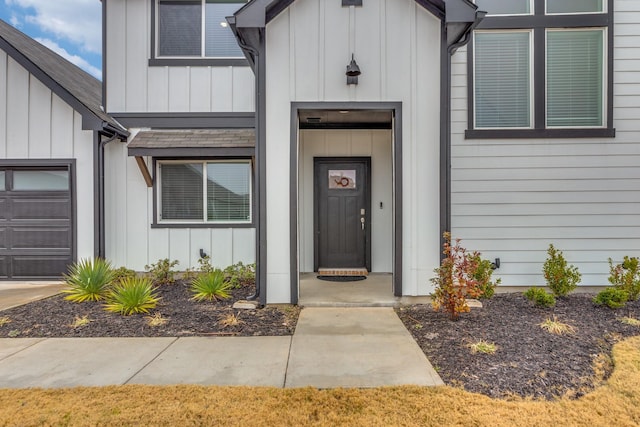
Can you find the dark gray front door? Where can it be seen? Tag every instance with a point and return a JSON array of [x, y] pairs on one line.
[[342, 217], [36, 233]]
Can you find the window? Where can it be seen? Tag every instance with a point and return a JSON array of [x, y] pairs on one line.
[[538, 70], [196, 29], [205, 191]]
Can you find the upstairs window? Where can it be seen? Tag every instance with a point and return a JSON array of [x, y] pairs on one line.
[[196, 29], [541, 68]]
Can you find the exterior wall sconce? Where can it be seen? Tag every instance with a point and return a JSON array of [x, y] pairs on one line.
[[353, 71]]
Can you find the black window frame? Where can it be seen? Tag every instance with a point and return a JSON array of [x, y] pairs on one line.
[[157, 223], [539, 22], [155, 61]]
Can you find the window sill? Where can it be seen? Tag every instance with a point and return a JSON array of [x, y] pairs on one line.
[[197, 62], [202, 225], [538, 133]]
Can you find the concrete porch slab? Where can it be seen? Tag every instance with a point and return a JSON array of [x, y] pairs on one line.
[[355, 347], [253, 361], [13, 294]]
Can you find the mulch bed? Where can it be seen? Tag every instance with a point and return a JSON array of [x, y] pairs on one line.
[[54, 317], [529, 361]]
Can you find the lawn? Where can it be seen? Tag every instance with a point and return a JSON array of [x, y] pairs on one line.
[[617, 402]]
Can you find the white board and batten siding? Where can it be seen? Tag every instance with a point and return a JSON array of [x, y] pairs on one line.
[[132, 242], [135, 86], [37, 124], [397, 46], [512, 198]]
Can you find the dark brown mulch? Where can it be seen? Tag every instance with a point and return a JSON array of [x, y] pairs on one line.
[[54, 317], [529, 361]]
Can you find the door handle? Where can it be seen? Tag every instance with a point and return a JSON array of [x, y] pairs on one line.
[[362, 222]]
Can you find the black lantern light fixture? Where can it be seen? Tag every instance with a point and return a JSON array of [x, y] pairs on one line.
[[353, 71]]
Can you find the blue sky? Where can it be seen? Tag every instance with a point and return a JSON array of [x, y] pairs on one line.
[[71, 28]]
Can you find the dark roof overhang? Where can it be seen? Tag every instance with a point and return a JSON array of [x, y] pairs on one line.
[[198, 142], [77, 88], [248, 23]]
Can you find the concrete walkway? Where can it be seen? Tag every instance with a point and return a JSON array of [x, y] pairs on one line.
[[332, 347]]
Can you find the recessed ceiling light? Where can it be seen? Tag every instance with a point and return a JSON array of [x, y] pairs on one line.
[[344, 111]]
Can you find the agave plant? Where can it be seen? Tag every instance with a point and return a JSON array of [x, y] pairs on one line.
[[211, 286], [88, 280], [132, 295]]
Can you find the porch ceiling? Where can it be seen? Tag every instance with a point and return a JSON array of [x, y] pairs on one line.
[[348, 118]]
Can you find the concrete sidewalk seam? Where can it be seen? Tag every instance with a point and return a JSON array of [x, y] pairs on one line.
[[151, 361], [23, 349], [286, 368]]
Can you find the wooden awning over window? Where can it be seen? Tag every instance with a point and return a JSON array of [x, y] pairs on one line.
[[194, 143]]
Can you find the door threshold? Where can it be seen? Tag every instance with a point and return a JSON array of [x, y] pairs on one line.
[[349, 271]]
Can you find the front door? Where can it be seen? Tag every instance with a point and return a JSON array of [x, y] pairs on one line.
[[342, 219]]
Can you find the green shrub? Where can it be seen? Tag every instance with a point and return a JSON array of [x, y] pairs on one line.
[[561, 278], [88, 280], [454, 281], [626, 276], [210, 286], [540, 297], [123, 273], [240, 275], [132, 295], [482, 274], [161, 272], [612, 298], [204, 264]]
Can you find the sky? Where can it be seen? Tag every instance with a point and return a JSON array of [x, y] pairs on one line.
[[71, 28]]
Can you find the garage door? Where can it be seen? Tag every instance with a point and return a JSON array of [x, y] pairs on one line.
[[36, 222]]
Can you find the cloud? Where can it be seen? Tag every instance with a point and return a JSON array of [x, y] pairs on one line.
[[15, 21], [74, 59], [78, 21]]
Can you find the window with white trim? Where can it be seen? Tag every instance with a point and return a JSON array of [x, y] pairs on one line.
[[541, 68], [196, 29], [204, 192]]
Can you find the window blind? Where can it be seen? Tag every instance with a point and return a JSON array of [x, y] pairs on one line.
[[182, 192], [502, 91], [228, 191], [505, 7], [180, 28], [574, 6], [575, 71], [219, 39]]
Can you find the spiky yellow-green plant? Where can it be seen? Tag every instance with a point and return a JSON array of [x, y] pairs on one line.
[[132, 295], [88, 280], [210, 286]]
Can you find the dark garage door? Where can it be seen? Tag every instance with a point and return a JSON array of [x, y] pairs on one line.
[[36, 222]]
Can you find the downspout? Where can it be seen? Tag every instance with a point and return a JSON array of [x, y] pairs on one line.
[[445, 155], [258, 184], [98, 189]]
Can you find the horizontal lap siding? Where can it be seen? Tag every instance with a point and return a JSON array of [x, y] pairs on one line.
[[134, 86], [512, 198]]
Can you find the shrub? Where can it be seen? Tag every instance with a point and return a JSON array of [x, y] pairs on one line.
[[210, 286], [161, 272], [626, 276], [482, 274], [540, 297], [132, 295], [204, 264], [88, 280], [454, 281], [561, 278], [123, 273], [239, 275], [556, 327], [612, 297]]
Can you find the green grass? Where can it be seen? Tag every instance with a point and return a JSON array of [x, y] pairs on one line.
[[616, 402]]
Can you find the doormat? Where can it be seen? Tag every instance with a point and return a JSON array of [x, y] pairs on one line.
[[341, 278]]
